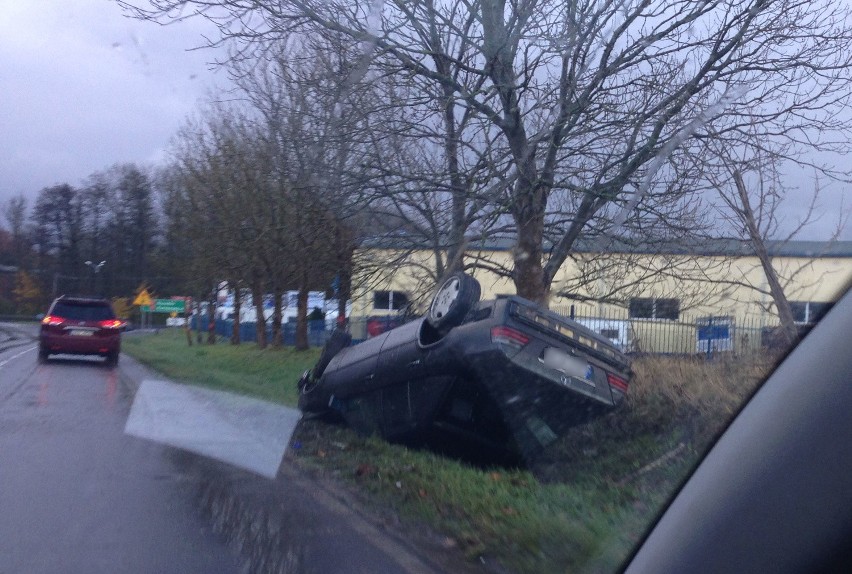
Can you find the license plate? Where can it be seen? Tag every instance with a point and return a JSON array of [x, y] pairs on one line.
[[565, 363], [80, 333]]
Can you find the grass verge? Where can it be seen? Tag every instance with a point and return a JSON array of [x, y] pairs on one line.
[[580, 510], [269, 374]]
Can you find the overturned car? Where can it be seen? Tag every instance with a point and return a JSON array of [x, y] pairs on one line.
[[489, 381]]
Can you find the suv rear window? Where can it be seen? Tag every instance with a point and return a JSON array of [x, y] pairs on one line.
[[82, 311]]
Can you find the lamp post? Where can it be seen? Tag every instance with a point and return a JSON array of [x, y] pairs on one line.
[[95, 267]]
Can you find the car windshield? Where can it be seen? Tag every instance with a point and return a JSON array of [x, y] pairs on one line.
[[81, 311], [426, 286]]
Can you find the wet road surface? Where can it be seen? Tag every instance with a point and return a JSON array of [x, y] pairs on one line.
[[76, 493]]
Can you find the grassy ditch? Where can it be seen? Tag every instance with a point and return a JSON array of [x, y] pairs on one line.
[[579, 510]]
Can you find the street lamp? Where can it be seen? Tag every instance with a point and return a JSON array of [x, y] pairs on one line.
[[95, 269]]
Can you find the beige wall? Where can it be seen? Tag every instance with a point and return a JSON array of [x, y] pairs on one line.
[[704, 285]]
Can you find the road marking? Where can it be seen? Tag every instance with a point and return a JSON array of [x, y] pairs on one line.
[[13, 357]]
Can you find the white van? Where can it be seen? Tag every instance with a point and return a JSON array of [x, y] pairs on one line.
[[617, 331]]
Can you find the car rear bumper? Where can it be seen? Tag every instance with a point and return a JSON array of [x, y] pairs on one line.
[[75, 345]]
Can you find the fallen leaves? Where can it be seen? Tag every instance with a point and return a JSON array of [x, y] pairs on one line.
[[365, 469]]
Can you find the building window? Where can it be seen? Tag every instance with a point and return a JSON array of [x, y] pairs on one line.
[[652, 308], [610, 333], [641, 308], [389, 300], [809, 312]]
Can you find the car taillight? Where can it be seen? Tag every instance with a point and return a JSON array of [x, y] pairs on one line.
[[617, 382], [508, 336], [111, 324], [52, 320]]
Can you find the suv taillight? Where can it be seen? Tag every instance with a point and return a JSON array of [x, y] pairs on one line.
[[617, 382], [111, 324], [52, 320], [508, 336]]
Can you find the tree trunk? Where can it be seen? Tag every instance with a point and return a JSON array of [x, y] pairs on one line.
[[198, 329], [260, 324], [211, 319], [187, 312], [235, 331], [344, 289], [456, 247], [529, 275], [302, 320], [186, 329], [529, 196], [277, 339], [785, 312]]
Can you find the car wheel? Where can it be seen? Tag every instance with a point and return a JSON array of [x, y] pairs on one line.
[[454, 299], [112, 360], [42, 355]]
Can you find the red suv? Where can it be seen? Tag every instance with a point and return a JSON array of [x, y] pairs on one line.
[[81, 326]]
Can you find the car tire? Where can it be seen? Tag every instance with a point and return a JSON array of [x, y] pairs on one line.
[[112, 359], [43, 355], [453, 301]]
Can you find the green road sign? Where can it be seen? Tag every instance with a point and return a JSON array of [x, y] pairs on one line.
[[169, 306]]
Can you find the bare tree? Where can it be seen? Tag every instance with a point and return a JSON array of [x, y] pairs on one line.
[[213, 206], [750, 187], [593, 99], [15, 214], [307, 128], [262, 186]]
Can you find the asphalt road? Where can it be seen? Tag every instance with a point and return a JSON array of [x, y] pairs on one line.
[[77, 494]]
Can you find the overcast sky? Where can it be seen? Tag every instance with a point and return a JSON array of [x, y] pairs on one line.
[[82, 87]]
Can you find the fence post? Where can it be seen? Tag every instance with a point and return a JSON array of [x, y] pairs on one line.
[[710, 338]]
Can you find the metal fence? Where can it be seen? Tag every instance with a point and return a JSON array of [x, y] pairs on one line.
[[690, 335], [361, 328], [684, 336], [318, 331]]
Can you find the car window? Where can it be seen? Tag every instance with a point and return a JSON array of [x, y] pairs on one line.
[[82, 311]]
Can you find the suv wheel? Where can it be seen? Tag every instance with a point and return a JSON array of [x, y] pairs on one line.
[[453, 300]]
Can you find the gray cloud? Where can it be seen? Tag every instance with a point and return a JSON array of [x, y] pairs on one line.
[[82, 87]]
